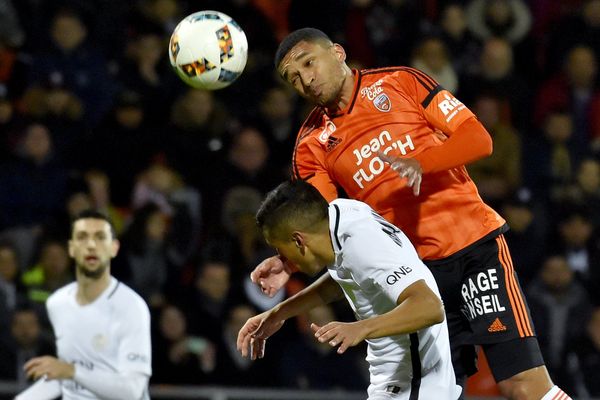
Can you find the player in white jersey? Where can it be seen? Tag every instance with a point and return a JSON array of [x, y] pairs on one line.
[[373, 264], [102, 327]]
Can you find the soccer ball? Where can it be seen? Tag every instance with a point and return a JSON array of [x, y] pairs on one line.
[[208, 50]]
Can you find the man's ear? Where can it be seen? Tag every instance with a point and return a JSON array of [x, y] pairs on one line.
[[298, 238], [340, 53], [115, 248]]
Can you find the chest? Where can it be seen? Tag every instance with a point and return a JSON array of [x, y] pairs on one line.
[[86, 333]]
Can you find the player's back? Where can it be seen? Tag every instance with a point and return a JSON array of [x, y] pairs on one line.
[[392, 111]]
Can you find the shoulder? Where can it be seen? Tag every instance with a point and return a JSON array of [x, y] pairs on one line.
[[60, 296], [126, 300], [349, 218], [401, 74]]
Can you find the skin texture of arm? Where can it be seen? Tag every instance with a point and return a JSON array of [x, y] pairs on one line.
[[253, 335], [418, 308]]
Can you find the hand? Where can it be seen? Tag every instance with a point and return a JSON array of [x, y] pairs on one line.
[[255, 332], [50, 367], [408, 168], [342, 334], [272, 274]]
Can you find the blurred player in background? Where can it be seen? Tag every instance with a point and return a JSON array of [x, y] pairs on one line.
[[373, 264], [370, 126], [102, 327]]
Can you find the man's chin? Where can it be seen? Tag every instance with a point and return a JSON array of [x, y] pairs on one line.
[[92, 273]]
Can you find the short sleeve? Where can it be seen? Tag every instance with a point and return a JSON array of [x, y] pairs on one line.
[[382, 259]]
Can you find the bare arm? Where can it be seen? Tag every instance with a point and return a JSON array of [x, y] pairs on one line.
[[418, 307], [253, 335]]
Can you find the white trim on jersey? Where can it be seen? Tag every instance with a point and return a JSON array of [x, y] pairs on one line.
[[374, 263], [107, 340]]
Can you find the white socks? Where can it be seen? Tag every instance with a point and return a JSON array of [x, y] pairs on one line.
[[556, 393]]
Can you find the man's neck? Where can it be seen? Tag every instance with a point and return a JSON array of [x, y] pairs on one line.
[[346, 92], [88, 289]]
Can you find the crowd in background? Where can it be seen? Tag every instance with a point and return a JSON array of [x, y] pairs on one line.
[[92, 116]]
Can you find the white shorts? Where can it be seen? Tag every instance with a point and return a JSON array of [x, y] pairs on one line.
[[438, 383]]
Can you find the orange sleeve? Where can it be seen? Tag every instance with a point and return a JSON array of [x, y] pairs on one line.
[[464, 137], [308, 164], [470, 142]]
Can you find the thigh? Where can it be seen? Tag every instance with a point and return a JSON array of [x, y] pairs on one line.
[[504, 362], [492, 301]]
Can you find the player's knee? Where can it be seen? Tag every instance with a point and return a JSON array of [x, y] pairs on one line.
[[521, 387]]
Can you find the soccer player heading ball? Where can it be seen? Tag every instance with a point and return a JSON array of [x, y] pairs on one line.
[[396, 140]]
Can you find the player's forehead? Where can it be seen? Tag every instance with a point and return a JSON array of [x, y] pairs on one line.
[[293, 59], [91, 225]]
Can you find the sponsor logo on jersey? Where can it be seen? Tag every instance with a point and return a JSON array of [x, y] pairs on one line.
[[398, 274], [99, 342], [326, 132], [497, 326], [450, 107], [371, 92], [382, 103], [368, 161], [478, 297], [332, 141], [133, 357]]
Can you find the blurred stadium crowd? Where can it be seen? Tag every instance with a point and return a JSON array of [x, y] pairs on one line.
[[91, 115]]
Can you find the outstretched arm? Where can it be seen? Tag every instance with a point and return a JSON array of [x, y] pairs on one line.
[[418, 307], [253, 335]]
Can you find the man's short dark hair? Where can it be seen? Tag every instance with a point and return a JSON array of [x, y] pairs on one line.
[[293, 204], [297, 36], [93, 214]]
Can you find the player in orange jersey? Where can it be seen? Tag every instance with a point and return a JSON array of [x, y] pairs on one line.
[[370, 126]]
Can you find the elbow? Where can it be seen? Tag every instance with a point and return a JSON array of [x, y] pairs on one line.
[[435, 309]]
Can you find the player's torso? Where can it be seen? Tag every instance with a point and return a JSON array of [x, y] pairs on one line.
[[89, 337], [384, 119]]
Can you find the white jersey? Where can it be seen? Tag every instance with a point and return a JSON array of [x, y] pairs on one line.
[[374, 263], [112, 334]]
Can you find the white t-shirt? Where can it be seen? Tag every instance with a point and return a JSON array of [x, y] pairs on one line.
[[374, 263], [112, 334]]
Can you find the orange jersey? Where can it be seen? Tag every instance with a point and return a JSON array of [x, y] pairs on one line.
[[403, 112]]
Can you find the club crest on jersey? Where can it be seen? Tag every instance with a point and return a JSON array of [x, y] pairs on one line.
[[99, 342], [382, 103], [326, 132]]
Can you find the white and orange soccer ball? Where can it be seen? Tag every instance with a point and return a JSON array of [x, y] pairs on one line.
[[208, 50]]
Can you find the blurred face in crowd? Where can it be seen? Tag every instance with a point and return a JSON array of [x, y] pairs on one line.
[[315, 70], [37, 143], [576, 230], [558, 127], [54, 259], [172, 323], [92, 245], [487, 110], [581, 67], [588, 176], [556, 274], [433, 53], [453, 20], [68, 31], [496, 59], [593, 328], [276, 104], [249, 151], [8, 264], [25, 328], [214, 280]]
